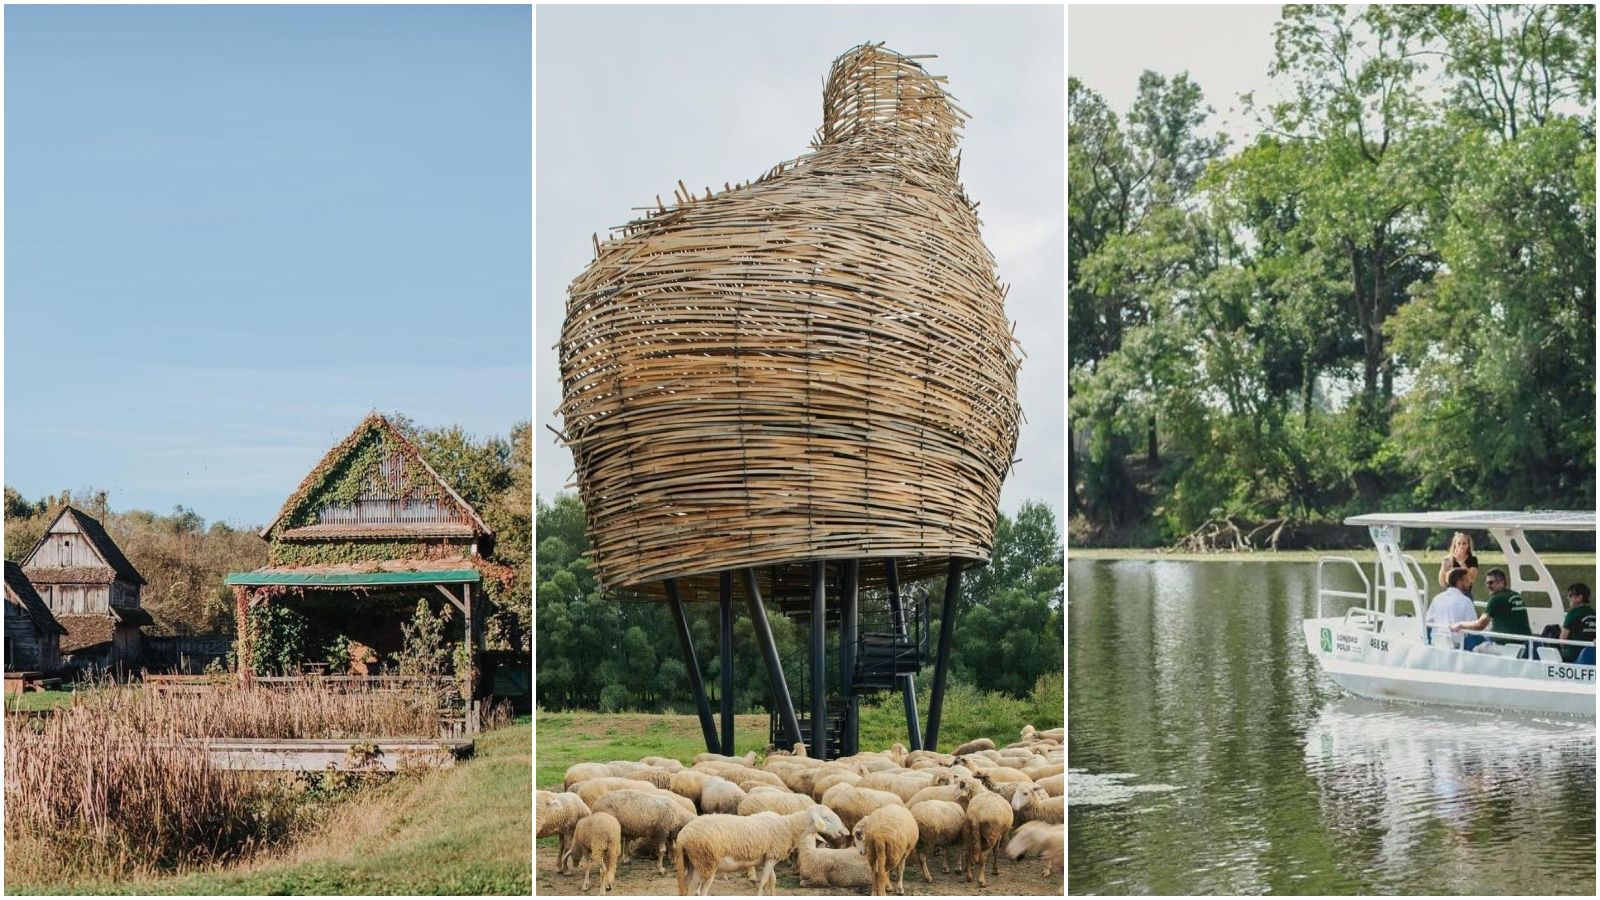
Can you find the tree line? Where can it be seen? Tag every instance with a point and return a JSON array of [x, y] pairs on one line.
[[184, 559], [597, 653], [1384, 300]]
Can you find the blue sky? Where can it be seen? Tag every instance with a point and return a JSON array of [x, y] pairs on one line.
[[232, 231]]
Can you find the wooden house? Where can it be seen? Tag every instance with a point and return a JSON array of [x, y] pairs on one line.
[[369, 531], [92, 589], [32, 634]]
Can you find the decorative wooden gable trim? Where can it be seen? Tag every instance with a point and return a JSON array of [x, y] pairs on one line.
[[372, 484]]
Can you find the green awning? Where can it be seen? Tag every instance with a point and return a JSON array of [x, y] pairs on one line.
[[352, 579]]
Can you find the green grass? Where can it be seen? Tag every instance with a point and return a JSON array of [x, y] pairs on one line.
[[567, 738], [1485, 558], [464, 830], [33, 701]]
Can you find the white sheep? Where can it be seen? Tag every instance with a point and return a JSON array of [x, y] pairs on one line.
[[822, 782], [719, 795], [823, 867], [598, 840], [1038, 838], [655, 816], [595, 788], [772, 801], [663, 762], [749, 759], [558, 814], [1055, 785], [902, 782], [973, 746], [886, 837], [1032, 803], [988, 819], [853, 803], [689, 783], [940, 823], [715, 843]]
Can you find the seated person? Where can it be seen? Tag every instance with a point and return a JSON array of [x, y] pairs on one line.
[[1579, 623], [1505, 614], [1449, 606]]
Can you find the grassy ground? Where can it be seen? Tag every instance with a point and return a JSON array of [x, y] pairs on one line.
[[464, 830], [34, 701], [566, 738], [1485, 558]]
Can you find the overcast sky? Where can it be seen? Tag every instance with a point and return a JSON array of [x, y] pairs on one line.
[[1225, 50], [631, 99]]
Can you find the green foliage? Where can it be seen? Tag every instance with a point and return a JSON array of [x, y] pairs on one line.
[[1387, 299], [336, 653], [602, 654], [424, 652], [279, 639], [284, 553]]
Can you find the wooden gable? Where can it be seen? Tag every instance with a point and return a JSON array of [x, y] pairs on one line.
[[375, 485], [76, 549]]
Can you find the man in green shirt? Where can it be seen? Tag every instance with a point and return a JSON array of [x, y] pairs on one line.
[[1505, 614]]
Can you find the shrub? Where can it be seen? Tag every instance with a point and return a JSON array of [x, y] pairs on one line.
[[615, 698]]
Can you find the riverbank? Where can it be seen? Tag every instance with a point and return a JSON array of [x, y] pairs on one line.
[[1485, 558]]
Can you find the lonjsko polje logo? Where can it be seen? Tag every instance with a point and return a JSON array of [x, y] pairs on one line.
[[1327, 641]]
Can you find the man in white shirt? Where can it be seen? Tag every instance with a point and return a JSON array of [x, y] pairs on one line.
[[1449, 606]]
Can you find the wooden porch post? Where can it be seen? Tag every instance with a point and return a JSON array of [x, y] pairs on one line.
[[243, 654], [467, 602]]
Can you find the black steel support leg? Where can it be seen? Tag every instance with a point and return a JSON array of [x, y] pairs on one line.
[[819, 677], [908, 683], [849, 625], [941, 666], [698, 685], [769, 652], [726, 630]]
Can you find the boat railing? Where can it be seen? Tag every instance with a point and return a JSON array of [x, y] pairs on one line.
[[1529, 643], [1365, 596]]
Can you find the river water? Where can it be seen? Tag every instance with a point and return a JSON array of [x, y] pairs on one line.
[[1208, 755]]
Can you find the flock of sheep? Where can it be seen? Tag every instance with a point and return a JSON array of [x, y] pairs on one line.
[[726, 814]]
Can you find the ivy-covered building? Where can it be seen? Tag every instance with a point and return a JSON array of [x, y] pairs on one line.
[[371, 529]]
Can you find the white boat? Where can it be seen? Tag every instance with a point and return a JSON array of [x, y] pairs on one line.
[[1381, 649]]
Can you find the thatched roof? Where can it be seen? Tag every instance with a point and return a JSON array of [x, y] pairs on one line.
[[816, 365]]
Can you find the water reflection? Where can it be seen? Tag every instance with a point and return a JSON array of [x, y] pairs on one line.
[[1463, 789], [1193, 675]]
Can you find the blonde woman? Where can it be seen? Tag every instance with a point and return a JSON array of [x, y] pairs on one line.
[[1459, 557]]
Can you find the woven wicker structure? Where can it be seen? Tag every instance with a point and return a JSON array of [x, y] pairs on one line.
[[815, 365]]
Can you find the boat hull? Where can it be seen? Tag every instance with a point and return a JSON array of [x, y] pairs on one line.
[[1397, 667]]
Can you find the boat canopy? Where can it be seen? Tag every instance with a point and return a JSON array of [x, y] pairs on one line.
[[1537, 520]]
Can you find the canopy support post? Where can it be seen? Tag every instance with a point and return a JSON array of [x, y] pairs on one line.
[[243, 652], [769, 652], [941, 666], [725, 630], [819, 678], [708, 728], [908, 682]]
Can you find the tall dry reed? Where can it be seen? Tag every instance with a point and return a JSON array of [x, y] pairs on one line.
[[115, 784]]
